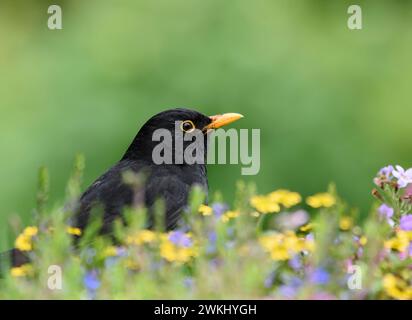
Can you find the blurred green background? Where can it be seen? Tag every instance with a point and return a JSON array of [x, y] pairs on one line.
[[332, 104]]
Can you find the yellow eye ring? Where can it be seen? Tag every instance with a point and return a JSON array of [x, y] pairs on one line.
[[184, 124]]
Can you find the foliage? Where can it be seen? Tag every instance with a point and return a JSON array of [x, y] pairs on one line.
[[264, 246], [332, 104]]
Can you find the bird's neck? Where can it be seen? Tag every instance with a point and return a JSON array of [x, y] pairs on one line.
[[142, 149]]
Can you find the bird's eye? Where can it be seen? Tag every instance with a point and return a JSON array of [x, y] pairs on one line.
[[187, 126]]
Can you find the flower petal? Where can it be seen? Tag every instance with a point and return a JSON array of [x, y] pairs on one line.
[[400, 169], [409, 173]]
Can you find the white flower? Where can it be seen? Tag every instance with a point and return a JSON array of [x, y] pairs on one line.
[[404, 177]]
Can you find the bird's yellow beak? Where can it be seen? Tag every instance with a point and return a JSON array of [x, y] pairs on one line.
[[221, 120]]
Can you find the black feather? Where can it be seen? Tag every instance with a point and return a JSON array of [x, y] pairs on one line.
[[170, 182]]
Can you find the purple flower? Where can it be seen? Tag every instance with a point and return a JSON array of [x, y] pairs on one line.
[[295, 263], [91, 280], [269, 280], [287, 292], [386, 212], [386, 171], [319, 276], [211, 246], [212, 236], [121, 252], [219, 208], [291, 221], [406, 222], [179, 238], [188, 282], [295, 282], [359, 253], [310, 237], [404, 176], [215, 263]]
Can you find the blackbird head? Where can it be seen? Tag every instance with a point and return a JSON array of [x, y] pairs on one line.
[[179, 122]]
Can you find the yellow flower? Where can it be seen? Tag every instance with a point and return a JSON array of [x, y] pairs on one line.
[[23, 270], [285, 197], [205, 210], [306, 227], [363, 240], [229, 215], [283, 246], [293, 242], [269, 241], [272, 202], [30, 231], [321, 200], [24, 240], [280, 253], [74, 231], [23, 243], [173, 253], [345, 223], [264, 204], [141, 237], [397, 288], [309, 245], [400, 242]]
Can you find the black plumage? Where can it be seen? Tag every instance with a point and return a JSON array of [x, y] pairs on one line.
[[170, 182]]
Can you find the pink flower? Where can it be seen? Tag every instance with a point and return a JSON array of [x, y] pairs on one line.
[[408, 191]]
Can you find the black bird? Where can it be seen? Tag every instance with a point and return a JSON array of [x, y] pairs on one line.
[[170, 182]]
